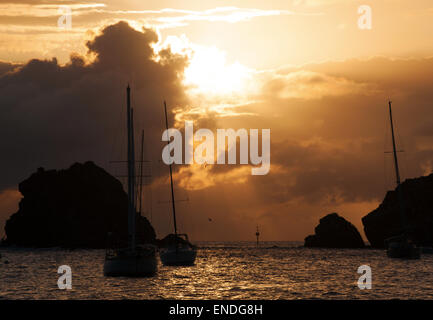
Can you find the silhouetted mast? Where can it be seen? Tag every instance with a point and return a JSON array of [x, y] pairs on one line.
[[134, 208], [131, 171], [171, 178], [140, 192], [257, 235], [397, 173]]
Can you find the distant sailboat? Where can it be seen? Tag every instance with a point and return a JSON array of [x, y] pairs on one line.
[[400, 246], [178, 251], [135, 260]]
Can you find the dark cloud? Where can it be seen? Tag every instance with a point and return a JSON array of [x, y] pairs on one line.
[[7, 67], [53, 115], [337, 152]]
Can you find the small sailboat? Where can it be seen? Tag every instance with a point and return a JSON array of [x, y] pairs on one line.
[[177, 250], [134, 260], [400, 246]]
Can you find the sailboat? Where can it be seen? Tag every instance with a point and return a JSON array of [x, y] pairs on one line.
[[134, 260], [400, 246], [178, 251]]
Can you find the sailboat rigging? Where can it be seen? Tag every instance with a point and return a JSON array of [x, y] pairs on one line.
[[133, 260], [140, 185], [171, 179], [400, 246], [178, 251]]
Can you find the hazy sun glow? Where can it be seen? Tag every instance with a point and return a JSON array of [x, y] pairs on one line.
[[209, 73]]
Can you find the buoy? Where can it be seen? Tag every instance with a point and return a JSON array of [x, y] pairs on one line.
[[257, 236]]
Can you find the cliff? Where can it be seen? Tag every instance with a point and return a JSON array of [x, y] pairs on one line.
[[417, 201], [74, 208], [334, 231]]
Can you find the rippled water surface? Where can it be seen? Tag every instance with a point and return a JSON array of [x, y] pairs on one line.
[[236, 270]]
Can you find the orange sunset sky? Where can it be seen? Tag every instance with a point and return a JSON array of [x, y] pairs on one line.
[[302, 68]]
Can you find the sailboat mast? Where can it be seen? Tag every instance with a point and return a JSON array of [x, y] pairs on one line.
[[397, 173], [130, 150], [140, 191], [134, 210], [128, 126], [171, 178]]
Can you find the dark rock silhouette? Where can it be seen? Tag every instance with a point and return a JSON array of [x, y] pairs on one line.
[[74, 208], [385, 222], [334, 231]]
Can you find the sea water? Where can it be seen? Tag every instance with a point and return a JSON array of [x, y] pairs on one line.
[[223, 270]]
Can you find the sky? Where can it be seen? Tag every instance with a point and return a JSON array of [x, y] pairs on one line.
[[304, 69]]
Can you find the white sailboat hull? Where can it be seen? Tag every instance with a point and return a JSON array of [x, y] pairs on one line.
[[178, 257]]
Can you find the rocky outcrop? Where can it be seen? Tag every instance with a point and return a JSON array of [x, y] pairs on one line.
[[334, 231], [417, 203], [74, 208]]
